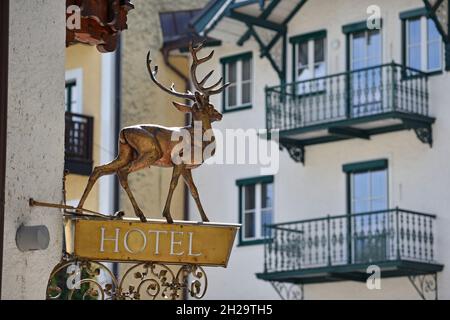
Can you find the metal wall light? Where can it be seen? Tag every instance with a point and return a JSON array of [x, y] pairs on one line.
[[32, 238]]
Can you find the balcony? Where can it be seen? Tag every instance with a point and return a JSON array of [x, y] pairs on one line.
[[336, 248], [78, 143], [354, 104]]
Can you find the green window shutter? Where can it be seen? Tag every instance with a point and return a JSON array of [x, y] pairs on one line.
[[357, 27], [240, 56], [365, 166], [447, 57], [308, 36], [254, 180], [415, 13]]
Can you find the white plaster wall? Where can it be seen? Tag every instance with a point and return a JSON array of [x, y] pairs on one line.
[[419, 176], [35, 145]]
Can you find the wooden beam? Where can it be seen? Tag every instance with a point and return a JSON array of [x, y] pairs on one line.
[[263, 15], [261, 46], [349, 133], [352, 276], [256, 21]]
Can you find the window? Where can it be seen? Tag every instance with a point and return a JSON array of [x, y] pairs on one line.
[[309, 53], [238, 71], [74, 91], [368, 204], [71, 99], [423, 49], [365, 90], [369, 191], [365, 49], [256, 208]]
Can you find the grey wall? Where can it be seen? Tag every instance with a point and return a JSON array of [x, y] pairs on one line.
[[35, 141]]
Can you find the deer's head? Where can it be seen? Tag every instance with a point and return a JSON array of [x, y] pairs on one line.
[[202, 109]]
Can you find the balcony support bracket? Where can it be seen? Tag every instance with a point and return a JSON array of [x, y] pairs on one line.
[[426, 285], [289, 291], [425, 134], [423, 130], [296, 150]]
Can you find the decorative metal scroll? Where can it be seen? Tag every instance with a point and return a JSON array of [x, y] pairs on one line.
[[425, 135], [295, 150], [91, 280], [288, 291], [425, 285]]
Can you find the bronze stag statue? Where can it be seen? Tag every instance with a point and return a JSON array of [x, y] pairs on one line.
[[146, 145]]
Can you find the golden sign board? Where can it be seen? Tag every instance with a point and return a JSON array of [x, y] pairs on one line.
[[129, 240]]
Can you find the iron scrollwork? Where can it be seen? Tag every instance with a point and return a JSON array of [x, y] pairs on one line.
[[425, 285], [425, 135], [295, 150], [288, 291], [91, 280]]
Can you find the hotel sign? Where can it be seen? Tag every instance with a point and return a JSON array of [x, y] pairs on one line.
[[129, 240]]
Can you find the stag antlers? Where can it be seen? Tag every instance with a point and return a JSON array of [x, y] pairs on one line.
[[199, 85], [188, 95], [143, 146]]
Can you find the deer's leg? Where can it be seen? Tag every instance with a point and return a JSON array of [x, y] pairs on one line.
[[123, 179], [143, 161], [124, 157], [173, 184], [187, 175], [147, 151]]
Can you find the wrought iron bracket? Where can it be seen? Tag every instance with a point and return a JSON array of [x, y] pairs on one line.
[[289, 291], [93, 280], [296, 151], [423, 131], [425, 135], [426, 285]]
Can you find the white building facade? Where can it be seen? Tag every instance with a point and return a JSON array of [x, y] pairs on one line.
[[361, 102]]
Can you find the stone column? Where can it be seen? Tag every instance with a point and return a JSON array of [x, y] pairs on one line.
[[35, 141]]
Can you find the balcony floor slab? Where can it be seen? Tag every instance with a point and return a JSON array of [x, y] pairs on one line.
[[352, 272]]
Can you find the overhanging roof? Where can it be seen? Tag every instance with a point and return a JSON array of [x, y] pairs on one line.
[[177, 31], [238, 20], [232, 16]]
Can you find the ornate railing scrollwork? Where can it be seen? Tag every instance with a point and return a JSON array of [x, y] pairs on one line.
[[92, 280]]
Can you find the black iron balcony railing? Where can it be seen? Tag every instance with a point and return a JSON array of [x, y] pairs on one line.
[[366, 238], [347, 95], [78, 143]]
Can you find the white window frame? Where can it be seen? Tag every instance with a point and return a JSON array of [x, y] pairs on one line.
[[311, 57], [370, 198], [423, 45], [77, 76], [366, 55], [238, 84], [258, 210]]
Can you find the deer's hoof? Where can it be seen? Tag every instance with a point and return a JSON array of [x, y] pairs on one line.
[[119, 215], [169, 220], [168, 217], [141, 216]]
